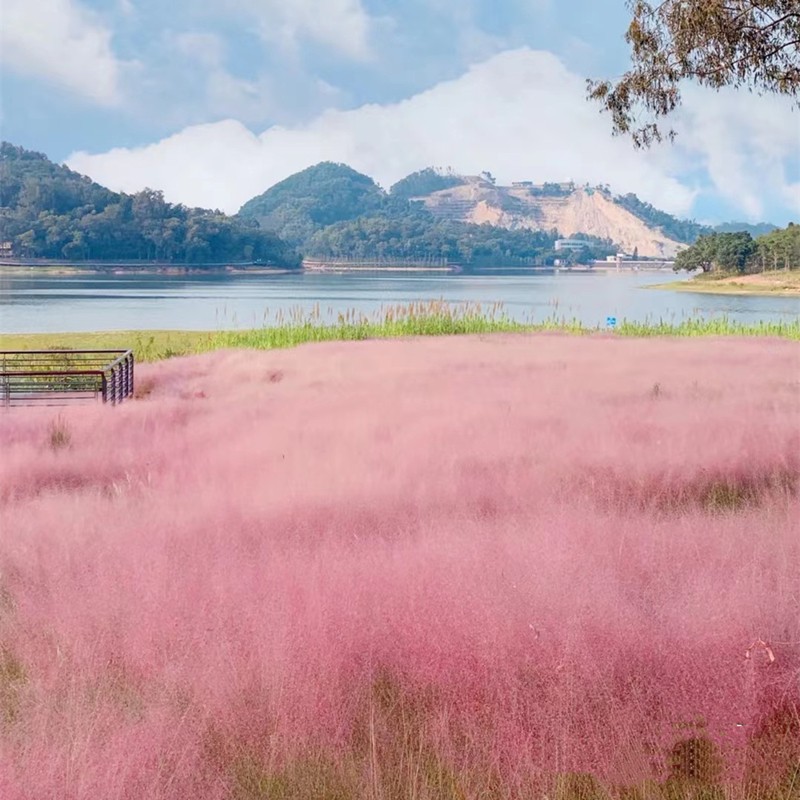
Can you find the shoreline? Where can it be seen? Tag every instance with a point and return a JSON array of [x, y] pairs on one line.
[[743, 292], [124, 269], [121, 271], [336, 270], [154, 345], [762, 284]]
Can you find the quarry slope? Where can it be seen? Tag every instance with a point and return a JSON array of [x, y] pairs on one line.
[[578, 211]]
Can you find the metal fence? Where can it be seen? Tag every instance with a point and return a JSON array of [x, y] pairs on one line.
[[64, 377]]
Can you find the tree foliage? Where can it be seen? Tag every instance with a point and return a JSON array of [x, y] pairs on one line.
[[742, 43], [739, 252], [552, 190], [417, 236], [680, 230], [780, 249], [307, 201], [425, 182], [49, 211]]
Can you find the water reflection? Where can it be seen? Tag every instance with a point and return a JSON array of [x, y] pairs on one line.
[[30, 303]]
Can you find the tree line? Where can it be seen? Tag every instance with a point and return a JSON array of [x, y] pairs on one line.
[[416, 234], [679, 230], [48, 211], [425, 182], [740, 253]]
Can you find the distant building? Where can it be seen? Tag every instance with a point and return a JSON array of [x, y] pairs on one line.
[[570, 244], [522, 184], [6, 249]]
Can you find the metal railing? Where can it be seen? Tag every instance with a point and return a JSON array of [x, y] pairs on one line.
[[64, 377]]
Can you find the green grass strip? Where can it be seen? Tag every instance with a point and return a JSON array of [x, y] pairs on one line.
[[421, 319]]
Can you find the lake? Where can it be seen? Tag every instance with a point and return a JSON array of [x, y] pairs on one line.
[[99, 302]]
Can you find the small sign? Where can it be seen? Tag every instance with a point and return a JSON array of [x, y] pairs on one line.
[[611, 322]]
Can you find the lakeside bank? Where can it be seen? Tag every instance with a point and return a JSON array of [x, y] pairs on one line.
[[46, 267], [781, 283], [53, 268], [431, 320]]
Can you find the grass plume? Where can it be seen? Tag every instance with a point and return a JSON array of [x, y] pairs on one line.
[[449, 567]]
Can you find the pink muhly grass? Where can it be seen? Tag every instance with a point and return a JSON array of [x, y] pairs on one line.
[[433, 568]]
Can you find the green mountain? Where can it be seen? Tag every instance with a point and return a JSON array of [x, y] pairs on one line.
[[310, 200], [49, 211], [330, 211], [304, 206], [754, 229]]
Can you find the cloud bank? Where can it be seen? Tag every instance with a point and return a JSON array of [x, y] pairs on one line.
[[520, 114], [62, 43], [342, 25]]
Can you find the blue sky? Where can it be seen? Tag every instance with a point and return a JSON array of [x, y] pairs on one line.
[[214, 101]]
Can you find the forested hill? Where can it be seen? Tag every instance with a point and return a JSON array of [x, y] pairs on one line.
[[330, 211], [426, 181], [680, 230], [754, 229], [49, 211], [310, 200]]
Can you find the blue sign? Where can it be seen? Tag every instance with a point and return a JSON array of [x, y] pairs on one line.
[[611, 322]]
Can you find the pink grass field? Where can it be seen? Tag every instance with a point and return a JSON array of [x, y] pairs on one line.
[[470, 567]]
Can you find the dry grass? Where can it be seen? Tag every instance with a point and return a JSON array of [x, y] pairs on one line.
[[779, 282]]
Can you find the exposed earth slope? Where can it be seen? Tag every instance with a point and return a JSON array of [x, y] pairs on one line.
[[573, 211]]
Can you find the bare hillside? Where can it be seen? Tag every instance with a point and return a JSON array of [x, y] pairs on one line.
[[578, 211]]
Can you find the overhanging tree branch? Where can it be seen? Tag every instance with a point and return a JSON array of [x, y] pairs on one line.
[[737, 43]]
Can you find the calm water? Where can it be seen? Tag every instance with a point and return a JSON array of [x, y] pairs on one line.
[[135, 302]]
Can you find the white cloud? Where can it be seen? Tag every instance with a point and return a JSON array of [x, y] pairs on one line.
[[62, 42], [521, 114], [206, 48], [342, 25], [225, 94], [744, 146]]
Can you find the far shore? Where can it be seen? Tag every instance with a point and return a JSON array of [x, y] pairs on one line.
[[117, 269], [99, 268], [780, 283]]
